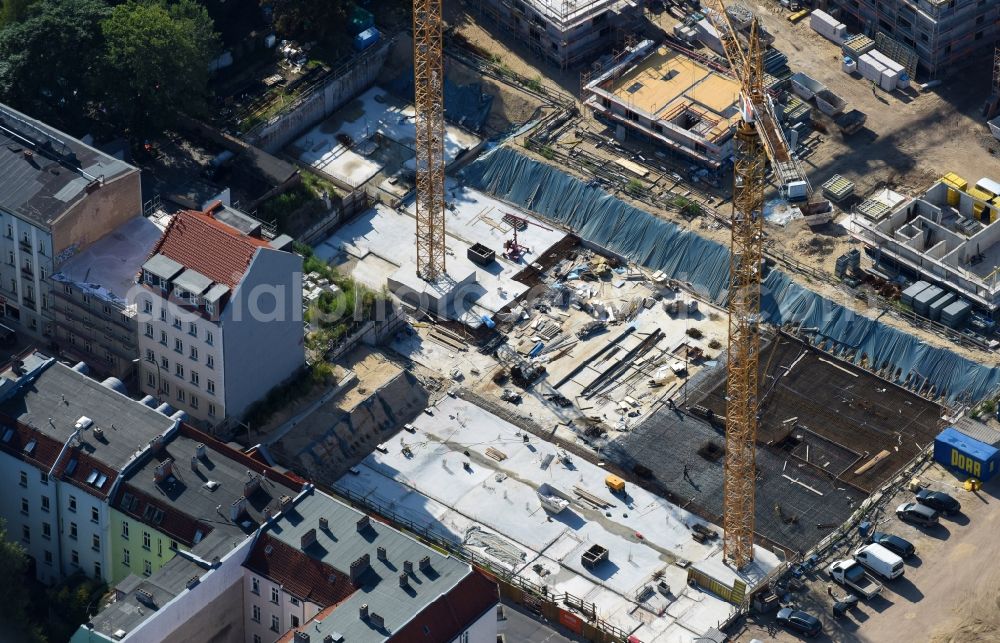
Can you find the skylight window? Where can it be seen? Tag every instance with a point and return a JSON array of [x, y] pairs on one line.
[[29, 448], [8, 433]]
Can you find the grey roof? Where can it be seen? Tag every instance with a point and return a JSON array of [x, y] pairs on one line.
[[162, 266], [215, 293], [192, 281], [108, 267], [44, 172], [237, 219], [185, 491], [379, 589], [61, 396], [128, 612]]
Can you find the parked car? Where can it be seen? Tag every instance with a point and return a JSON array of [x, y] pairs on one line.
[[917, 514], [899, 546], [802, 622], [939, 501], [880, 561]]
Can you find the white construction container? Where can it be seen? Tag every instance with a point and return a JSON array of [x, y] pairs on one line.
[[849, 65], [870, 68], [888, 80], [827, 26], [887, 62]]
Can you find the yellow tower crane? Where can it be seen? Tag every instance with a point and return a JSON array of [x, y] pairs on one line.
[[428, 75]]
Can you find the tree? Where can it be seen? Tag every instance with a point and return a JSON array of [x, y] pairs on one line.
[[13, 564], [45, 69], [156, 62], [14, 11], [310, 19]]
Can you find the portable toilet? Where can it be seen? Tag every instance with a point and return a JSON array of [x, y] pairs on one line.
[[964, 454]]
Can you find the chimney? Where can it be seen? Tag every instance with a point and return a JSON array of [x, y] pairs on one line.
[[404, 581], [380, 552], [285, 501], [237, 508], [364, 611], [199, 450], [363, 523], [308, 539], [194, 580], [194, 463], [359, 567], [163, 471], [324, 524], [301, 637], [157, 443], [377, 621], [425, 564], [407, 567], [251, 486]]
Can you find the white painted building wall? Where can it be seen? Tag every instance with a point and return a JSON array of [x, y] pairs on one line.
[[483, 630], [25, 263], [286, 608]]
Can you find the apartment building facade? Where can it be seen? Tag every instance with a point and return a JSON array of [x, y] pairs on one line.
[[220, 315], [65, 439], [945, 34], [57, 197]]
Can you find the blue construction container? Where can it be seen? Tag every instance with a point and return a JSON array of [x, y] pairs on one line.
[[366, 38], [959, 452]]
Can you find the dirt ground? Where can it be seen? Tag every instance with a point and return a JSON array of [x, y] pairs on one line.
[[950, 590]]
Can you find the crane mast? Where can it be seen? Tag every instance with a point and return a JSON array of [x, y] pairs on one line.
[[756, 137], [428, 74]]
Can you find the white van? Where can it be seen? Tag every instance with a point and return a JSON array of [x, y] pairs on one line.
[[880, 560]]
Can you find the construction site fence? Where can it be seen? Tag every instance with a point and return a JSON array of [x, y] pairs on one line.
[[535, 597], [683, 255]]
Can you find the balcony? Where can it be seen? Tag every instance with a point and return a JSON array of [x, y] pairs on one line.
[[25, 245]]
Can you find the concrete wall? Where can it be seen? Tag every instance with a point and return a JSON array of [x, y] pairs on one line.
[[483, 630], [217, 621], [354, 77], [264, 335], [99, 213]]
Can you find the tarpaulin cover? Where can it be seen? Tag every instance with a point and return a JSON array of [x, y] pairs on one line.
[[607, 221]]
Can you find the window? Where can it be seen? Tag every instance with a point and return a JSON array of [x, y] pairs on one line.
[[177, 323], [179, 369], [295, 621], [126, 558], [150, 379], [255, 614], [48, 557], [26, 533], [75, 557], [275, 624], [145, 540], [125, 529], [149, 330], [97, 571], [10, 257], [164, 362], [255, 586], [72, 530], [147, 568], [24, 506], [10, 231], [178, 345], [159, 547], [163, 337], [208, 337], [96, 543], [211, 410], [95, 516], [24, 478], [194, 377], [163, 314], [209, 308], [150, 355], [147, 306], [194, 401], [194, 353], [45, 503], [294, 601], [210, 361], [181, 395], [192, 329], [72, 503], [165, 387], [46, 531], [44, 477], [210, 386], [256, 638], [173, 545], [275, 595]]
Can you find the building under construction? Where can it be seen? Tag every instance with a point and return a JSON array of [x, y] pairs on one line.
[[565, 32], [672, 99], [944, 34]]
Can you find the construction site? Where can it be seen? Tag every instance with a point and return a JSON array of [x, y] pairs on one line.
[[657, 344]]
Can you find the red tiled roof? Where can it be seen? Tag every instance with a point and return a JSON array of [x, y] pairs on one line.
[[42, 456], [85, 464], [451, 614], [173, 522], [301, 575], [199, 242]]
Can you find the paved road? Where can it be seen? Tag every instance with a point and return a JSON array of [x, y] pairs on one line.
[[521, 627], [949, 592]]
